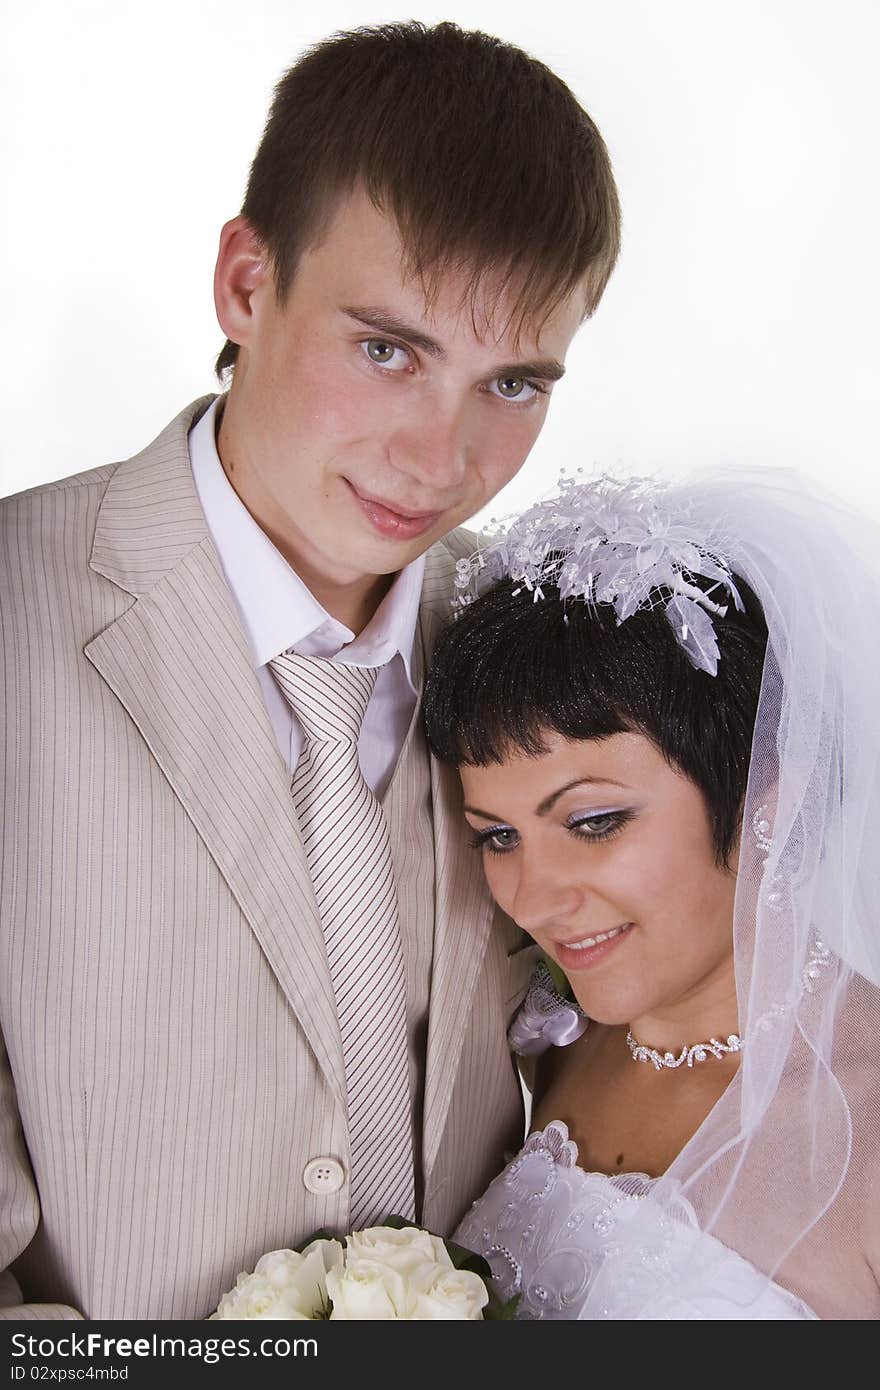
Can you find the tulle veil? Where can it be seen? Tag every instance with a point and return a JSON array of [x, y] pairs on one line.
[[782, 1169]]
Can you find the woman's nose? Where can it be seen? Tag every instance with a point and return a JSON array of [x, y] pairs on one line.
[[549, 892]]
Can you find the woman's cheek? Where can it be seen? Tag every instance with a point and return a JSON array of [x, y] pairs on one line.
[[500, 879]]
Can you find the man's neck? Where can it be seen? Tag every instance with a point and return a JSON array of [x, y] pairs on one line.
[[350, 605]]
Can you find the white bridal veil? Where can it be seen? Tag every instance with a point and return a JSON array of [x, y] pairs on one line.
[[784, 1168]]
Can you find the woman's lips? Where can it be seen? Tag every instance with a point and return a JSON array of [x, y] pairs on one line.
[[388, 522], [591, 949]]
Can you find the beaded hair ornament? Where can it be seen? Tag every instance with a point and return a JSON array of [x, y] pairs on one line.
[[617, 542]]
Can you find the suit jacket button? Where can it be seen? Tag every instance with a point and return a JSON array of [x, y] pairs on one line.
[[323, 1175]]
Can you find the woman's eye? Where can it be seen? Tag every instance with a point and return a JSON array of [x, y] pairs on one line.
[[599, 827], [385, 354], [499, 840], [515, 388]]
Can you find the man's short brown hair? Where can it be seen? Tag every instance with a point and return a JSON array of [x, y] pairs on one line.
[[482, 155]]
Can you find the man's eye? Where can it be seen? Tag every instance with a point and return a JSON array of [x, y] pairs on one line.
[[385, 354], [515, 388]]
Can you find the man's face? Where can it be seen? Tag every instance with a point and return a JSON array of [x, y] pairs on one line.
[[363, 424]]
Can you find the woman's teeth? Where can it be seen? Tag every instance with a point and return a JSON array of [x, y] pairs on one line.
[[589, 941]]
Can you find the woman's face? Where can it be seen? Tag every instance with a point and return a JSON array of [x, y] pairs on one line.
[[602, 851]]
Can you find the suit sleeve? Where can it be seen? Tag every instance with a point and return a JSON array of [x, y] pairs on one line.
[[19, 1209]]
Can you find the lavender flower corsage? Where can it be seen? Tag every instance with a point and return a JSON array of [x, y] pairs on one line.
[[547, 1017]]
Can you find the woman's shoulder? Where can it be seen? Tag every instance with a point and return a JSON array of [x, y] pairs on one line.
[[863, 996], [857, 1040], [857, 1071]]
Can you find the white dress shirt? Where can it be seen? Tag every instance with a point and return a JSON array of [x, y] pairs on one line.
[[278, 612]]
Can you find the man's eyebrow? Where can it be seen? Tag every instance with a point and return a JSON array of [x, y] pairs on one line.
[[547, 368], [383, 321], [550, 801]]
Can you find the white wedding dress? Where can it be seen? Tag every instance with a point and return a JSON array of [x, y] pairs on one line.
[[547, 1229]]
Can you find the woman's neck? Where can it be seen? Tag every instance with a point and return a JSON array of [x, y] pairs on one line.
[[707, 1011]]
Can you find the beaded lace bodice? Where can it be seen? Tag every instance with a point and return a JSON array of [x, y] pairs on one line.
[[548, 1228]]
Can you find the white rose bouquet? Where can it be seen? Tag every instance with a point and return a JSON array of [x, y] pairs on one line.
[[396, 1271]]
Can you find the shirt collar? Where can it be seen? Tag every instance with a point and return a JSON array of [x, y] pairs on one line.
[[277, 609]]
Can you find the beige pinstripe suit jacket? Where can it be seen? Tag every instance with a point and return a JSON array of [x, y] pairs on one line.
[[174, 1058]]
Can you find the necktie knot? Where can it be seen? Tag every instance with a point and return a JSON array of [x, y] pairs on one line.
[[329, 699]]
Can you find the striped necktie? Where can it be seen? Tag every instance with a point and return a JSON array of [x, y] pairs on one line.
[[349, 854]]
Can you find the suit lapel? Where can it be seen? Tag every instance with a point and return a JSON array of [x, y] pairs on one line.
[[179, 662], [463, 907]]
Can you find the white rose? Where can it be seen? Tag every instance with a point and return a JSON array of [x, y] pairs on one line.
[[389, 1268], [406, 1251], [455, 1293], [369, 1292], [331, 1252], [284, 1284], [406, 1274]]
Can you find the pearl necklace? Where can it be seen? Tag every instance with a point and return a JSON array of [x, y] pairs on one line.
[[697, 1053]]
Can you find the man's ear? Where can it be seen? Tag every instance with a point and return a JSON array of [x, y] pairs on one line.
[[242, 268]]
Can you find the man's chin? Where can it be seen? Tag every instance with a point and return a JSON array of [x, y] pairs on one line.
[[390, 557]]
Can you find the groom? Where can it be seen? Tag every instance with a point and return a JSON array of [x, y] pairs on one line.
[[251, 982]]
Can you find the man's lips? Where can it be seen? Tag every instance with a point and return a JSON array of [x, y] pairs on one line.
[[389, 521]]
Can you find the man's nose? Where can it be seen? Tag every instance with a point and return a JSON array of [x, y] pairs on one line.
[[433, 449]]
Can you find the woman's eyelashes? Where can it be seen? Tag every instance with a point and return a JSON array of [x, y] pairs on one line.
[[598, 825], [497, 839], [593, 828]]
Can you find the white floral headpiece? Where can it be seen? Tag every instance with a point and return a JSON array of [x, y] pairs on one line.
[[615, 542]]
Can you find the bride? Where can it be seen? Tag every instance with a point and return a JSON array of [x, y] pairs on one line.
[[664, 704]]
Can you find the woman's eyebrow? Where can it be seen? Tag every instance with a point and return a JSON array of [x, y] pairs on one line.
[[484, 815], [550, 801]]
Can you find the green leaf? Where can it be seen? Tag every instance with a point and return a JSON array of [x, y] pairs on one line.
[[498, 1311], [319, 1235], [560, 979], [326, 1312], [468, 1259]]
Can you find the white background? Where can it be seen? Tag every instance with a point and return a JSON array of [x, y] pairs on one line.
[[741, 324]]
